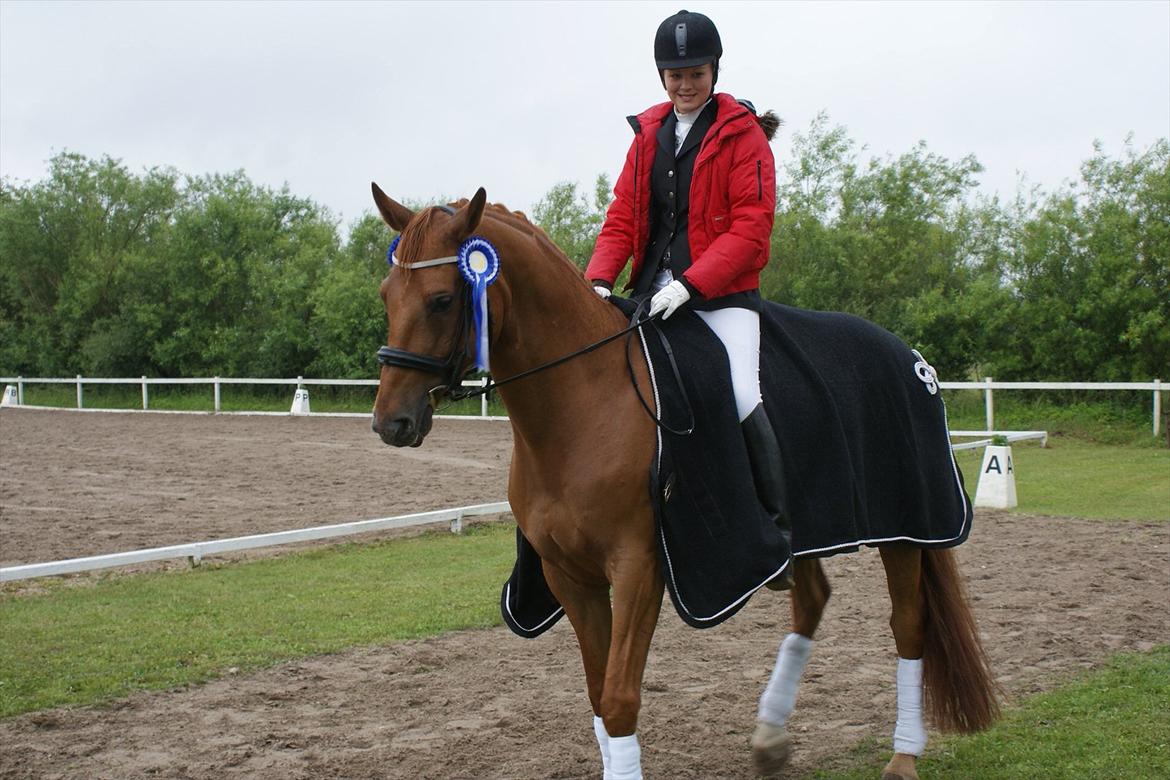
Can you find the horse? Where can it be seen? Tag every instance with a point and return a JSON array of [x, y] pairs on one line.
[[578, 483]]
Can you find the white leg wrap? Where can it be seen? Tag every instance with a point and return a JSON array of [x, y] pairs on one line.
[[779, 698], [625, 758], [909, 732], [603, 743]]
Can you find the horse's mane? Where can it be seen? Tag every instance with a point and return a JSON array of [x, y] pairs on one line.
[[411, 248], [519, 221]]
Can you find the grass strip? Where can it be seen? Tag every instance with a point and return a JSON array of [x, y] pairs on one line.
[[82, 645], [1073, 478], [1112, 723]]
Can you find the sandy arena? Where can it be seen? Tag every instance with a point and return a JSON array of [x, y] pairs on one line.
[[1054, 596]]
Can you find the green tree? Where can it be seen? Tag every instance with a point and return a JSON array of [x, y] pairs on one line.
[[348, 320], [1091, 272], [76, 249], [571, 220]]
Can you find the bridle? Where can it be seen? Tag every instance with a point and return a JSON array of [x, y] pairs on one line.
[[451, 373]]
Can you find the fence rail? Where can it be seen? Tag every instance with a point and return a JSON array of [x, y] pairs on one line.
[[216, 382], [987, 386], [196, 550]]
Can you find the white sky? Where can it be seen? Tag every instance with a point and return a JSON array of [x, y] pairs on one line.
[[434, 99]]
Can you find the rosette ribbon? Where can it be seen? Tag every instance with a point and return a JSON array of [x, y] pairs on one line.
[[479, 262]]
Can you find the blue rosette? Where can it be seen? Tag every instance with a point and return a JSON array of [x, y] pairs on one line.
[[479, 262], [390, 251]]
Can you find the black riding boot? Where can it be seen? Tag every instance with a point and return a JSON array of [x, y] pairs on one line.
[[768, 473]]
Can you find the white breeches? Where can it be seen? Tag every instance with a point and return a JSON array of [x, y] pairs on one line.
[[739, 330]]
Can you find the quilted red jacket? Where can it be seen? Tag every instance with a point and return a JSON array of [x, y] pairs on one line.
[[732, 204]]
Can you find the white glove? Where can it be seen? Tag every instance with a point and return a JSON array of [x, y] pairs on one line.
[[601, 290], [669, 298]]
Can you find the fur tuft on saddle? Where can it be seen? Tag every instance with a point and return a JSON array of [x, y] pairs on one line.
[[866, 452]]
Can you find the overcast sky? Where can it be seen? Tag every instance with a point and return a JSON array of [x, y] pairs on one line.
[[436, 98]]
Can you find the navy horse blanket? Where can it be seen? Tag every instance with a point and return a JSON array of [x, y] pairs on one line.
[[866, 450]]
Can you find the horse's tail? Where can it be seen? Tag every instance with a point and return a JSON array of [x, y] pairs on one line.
[[961, 693]]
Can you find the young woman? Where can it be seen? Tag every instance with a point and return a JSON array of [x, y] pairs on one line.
[[694, 207]]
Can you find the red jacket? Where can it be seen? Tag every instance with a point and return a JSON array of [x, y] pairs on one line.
[[732, 204]]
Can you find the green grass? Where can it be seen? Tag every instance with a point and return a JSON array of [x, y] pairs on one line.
[[1112, 723], [1074, 478], [80, 645]]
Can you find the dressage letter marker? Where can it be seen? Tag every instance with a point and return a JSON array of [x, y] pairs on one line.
[[10, 398], [300, 404], [997, 479]]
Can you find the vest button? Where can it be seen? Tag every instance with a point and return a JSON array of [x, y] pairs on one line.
[[670, 194], [670, 174]]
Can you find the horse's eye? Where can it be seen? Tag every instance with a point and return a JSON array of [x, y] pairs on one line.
[[440, 304]]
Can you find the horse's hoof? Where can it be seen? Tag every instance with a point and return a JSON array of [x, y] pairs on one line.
[[901, 767], [771, 748]]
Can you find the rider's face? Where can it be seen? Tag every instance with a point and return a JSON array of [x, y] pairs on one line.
[[688, 88]]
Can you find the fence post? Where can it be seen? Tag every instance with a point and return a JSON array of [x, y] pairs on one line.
[[145, 396], [216, 382], [79, 405], [483, 399], [1157, 405], [988, 404], [20, 390]]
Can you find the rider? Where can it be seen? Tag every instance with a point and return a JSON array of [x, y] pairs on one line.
[[694, 207]]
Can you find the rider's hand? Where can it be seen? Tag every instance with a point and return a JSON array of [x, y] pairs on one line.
[[669, 298], [601, 290]]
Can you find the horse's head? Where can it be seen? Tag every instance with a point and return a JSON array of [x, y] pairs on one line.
[[428, 342]]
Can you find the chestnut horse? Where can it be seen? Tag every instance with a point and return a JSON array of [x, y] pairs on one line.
[[578, 489]]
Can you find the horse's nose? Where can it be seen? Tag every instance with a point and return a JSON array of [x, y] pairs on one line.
[[398, 431]]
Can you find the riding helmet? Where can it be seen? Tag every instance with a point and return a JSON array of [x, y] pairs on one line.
[[685, 40]]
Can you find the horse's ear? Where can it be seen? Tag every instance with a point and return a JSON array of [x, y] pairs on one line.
[[466, 219], [394, 213]]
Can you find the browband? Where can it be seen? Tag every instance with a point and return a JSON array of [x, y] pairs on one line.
[[423, 263]]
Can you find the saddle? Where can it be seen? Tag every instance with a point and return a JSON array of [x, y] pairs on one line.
[[867, 459]]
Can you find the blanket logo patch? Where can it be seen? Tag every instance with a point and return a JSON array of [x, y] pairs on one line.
[[926, 373]]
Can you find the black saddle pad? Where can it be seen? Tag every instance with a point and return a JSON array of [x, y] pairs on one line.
[[865, 444]]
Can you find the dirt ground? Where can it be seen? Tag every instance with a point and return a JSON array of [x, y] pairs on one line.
[[1053, 596]]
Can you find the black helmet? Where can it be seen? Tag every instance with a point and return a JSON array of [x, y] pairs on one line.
[[686, 40]]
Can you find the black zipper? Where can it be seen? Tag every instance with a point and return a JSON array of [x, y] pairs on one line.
[[759, 181]]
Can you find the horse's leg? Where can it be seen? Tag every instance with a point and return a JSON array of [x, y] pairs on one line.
[[903, 565], [771, 746], [589, 612], [637, 599]]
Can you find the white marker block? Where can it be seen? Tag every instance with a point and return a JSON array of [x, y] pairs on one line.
[[997, 479], [300, 404], [10, 397]]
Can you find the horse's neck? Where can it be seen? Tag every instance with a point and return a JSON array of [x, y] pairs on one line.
[[551, 313]]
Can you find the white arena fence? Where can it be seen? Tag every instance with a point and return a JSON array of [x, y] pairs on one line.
[[987, 386], [217, 384], [195, 551]]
